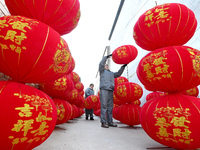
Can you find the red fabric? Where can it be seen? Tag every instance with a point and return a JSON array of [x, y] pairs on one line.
[[137, 102], [117, 101], [124, 54], [32, 52], [191, 92], [165, 25], [62, 16], [91, 101], [170, 69], [128, 91], [173, 120], [58, 88], [120, 80], [129, 114], [64, 110], [28, 116], [153, 95]]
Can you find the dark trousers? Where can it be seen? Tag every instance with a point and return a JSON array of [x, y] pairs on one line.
[[89, 112]]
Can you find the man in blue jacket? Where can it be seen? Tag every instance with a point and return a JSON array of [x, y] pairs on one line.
[[89, 112], [107, 84]]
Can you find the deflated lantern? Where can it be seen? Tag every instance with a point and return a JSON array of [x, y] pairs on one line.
[[165, 25], [128, 91], [31, 51], [124, 54], [62, 16], [173, 120], [170, 69], [28, 116]]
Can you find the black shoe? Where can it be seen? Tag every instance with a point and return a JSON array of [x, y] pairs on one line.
[[112, 124], [104, 125], [91, 118], [86, 118]]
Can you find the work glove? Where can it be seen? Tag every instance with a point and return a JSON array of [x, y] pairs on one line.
[[109, 55], [124, 65]]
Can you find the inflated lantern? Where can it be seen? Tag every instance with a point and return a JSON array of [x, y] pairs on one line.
[[173, 120], [170, 69], [137, 102], [58, 88], [28, 116], [124, 54], [192, 92], [64, 110], [31, 51], [91, 101], [129, 114], [62, 16], [128, 91], [71, 96], [79, 86], [120, 80], [165, 25], [153, 95]]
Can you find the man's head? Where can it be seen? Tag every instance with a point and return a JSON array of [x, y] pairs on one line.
[[91, 86], [106, 67]]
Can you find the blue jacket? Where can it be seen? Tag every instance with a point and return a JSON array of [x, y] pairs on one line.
[[89, 92], [107, 78]]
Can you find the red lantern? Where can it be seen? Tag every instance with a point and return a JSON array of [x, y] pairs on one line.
[[120, 80], [165, 25], [79, 86], [49, 12], [129, 114], [58, 88], [153, 95], [128, 91], [91, 101], [97, 112], [137, 102], [28, 116], [71, 96], [124, 54], [192, 92], [64, 110], [170, 69], [74, 77], [32, 52], [173, 120]]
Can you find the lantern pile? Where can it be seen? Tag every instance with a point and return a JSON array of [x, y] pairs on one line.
[[34, 52], [126, 102], [169, 68]]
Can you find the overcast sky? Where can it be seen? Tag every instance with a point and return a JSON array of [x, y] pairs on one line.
[[88, 40]]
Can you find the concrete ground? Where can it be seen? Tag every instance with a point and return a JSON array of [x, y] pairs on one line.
[[81, 134]]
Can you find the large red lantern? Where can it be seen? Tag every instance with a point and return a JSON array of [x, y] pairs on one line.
[[62, 16], [117, 101], [120, 80], [64, 110], [71, 96], [165, 25], [173, 120], [129, 114], [58, 88], [31, 51], [170, 69], [28, 116], [128, 91], [124, 54], [91, 101]]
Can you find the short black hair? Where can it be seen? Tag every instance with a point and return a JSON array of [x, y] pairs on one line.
[[91, 84]]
